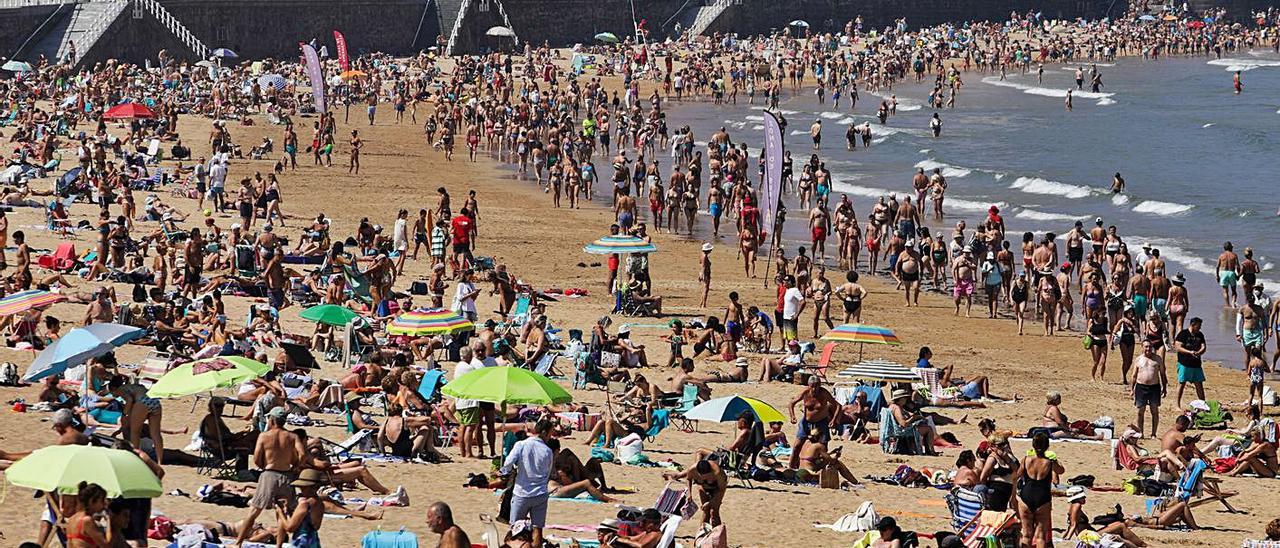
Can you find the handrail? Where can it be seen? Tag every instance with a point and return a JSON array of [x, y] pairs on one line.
[[706, 18], [507, 22], [179, 30], [457, 26], [61, 4], [97, 29]]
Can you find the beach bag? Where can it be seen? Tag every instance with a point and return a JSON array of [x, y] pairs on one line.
[[1107, 519], [629, 447], [384, 539], [906, 475], [1133, 485], [717, 537], [865, 517], [829, 478]]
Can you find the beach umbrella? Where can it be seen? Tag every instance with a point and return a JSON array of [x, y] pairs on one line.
[[1147, 18], [329, 314], [1171, 17], [272, 81], [728, 409], [799, 23], [1195, 24], [61, 468], [206, 64], [500, 31], [16, 66], [608, 38], [429, 321], [620, 243], [224, 53], [879, 370], [207, 375], [78, 346], [862, 334], [129, 111], [506, 385], [27, 300], [350, 74]]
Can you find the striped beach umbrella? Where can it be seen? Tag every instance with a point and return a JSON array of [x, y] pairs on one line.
[[272, 81], [620, 244], [433, 321], [879, 370], [27, 300], [862, 333]]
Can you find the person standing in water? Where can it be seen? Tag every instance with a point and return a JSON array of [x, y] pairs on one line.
[[1117, 184], [1228, 272], [1068, 102], [935, 125], [1237, 83]]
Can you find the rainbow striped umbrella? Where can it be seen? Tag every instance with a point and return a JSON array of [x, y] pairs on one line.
[[620, 244], [862, 334], [27, 300], [429, 321]]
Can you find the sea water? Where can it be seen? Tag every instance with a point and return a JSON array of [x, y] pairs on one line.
[[1200, 162]]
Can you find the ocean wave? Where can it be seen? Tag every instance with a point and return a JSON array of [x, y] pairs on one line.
[[924, 151], [998, 176], [1036, 185], [1242, 65], [1119, 199], [858, 190], [1173, 252], [1208, 125], [1161, 208], [754, 118], [971, 205], [1048, 92], [831, 115], [757, 127], [1105, 101], [1031, 214], [904, 104], [846, 121], [947, 169]]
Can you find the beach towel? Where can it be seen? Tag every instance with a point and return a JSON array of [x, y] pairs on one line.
[[864, 519]]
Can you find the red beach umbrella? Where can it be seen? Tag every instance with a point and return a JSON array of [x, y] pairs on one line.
[[129, 111]]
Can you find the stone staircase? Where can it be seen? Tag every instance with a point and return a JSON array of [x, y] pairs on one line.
[[175, 26], [705, 15], [451, 16], [82, 25]]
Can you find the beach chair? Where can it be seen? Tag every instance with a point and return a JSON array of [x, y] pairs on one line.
[[820, 368], [672, 501], [668, 539], [1123, 457], [429, 386], [989, 525], [587, 372], [341, 450], [357, 284], [893, 436], [216, 461], [687, 400], [153, 366], [63, 258], [520, 313], [931, 385], [1250, 543], [965, 505], [658, 422], [1195, 484], [299, 355]]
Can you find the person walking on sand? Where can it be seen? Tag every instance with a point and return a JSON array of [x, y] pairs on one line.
[[704, 273], [278, 453], [851, 294], [962, 271], [530, 460], [1150, 383], [356, 145]]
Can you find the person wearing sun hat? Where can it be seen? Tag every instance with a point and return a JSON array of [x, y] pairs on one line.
[[704, 272], [303, 523], [1080, 526]]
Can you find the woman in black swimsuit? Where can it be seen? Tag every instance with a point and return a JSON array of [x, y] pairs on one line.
[[1035, 501], [1018, 294]]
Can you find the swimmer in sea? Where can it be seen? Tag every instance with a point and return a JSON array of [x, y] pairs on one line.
[[1117, 184]]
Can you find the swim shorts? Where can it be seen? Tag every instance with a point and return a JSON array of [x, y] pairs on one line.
[[1140, 305], [1252, 337], [963, 288], [1146, 394], [1227, 278], [1190, 374]]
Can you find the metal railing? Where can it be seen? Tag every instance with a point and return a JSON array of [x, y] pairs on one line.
[[708, 15], [11, 4], [507, 22], [95, 30], [176, 27], [457, 26]]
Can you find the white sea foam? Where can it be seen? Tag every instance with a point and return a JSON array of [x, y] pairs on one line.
[[831, 115], [1208, 125], [924, 151], [1242, 65], [971, 205], [998, 176], [799, 132], [1031, 214], [1161, 208], [904, 104], [754, 118], [1036, 185], [846, 121], [1170, 250], [757, 127], [1105, 101], [858, 190], [1119, 199], [1050, 92], [1268, 266], [947, 169]]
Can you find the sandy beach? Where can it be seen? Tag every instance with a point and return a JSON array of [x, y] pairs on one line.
[[542, 246]]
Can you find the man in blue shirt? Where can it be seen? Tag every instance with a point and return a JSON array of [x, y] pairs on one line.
[[532, 460]]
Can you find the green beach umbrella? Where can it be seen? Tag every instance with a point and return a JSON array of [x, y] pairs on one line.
[[207, 375], [61, 468], [607, 37], [329, 314], [507, 385]]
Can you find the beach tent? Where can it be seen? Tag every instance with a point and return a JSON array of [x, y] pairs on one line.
[[877, 370]]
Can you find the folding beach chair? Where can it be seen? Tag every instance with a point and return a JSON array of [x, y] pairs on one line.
[[820, 368], [988, 524], [659, 421], [669, 527], [931, 385], [672, 501], [429, 386], [892, 435], [687, 400], [965, 505], [1194, 483], [216, 461], [357, 441], [1123, 458], [153, 366]]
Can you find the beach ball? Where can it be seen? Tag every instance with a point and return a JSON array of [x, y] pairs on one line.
[[208, 212]]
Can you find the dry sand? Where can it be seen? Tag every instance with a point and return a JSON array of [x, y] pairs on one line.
[[542, 246]]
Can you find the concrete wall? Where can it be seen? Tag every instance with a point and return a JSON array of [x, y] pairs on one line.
[[16, 24], [763, 16]]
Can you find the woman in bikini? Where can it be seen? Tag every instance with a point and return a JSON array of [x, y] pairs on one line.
[[139, 409], [1124, 336], [1035, 500], [82, 527]]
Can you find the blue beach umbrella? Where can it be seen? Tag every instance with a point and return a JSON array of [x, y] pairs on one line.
[[1147, 18], [272, 81], [728, 409], [16, 66], [224, 53], [78, 346]]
